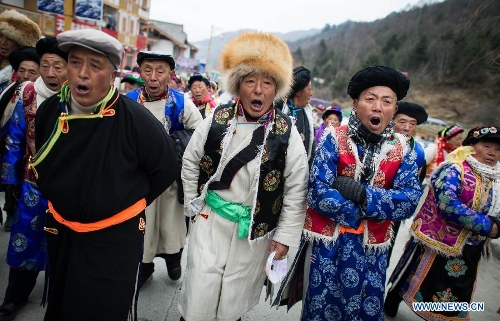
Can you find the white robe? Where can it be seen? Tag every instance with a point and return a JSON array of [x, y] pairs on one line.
[[225, 275], [165, 220]]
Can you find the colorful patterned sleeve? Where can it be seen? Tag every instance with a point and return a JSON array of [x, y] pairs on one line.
[[15, 145], [321, 196], [447, 188], [399, 202]]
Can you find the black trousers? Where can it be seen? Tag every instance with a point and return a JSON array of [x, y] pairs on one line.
[[21, 283], [93, 275]]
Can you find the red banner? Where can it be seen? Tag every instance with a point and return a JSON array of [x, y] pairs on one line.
[[141, 42], [59, 24], [110, 32], [75, 24]]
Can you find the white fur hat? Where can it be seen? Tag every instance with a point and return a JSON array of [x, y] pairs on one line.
[[19, 28], [256, 52]]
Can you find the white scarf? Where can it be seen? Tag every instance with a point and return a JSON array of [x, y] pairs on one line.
[[42, 91], [491, 173]]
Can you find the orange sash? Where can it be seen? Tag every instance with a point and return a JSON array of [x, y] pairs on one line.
[[118, 218]]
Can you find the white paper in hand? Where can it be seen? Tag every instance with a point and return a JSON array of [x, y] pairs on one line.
[[276, 269]]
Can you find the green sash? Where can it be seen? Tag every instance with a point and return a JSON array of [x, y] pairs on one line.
[[234, 212]]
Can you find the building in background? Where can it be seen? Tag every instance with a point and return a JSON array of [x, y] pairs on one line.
[[122, 19], [170, 38]]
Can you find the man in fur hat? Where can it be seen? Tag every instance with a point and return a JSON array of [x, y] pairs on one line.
[[25, 62], [245, 174], [364, 177], [16, 31], [166, 228], [297, 106], [31, 206]]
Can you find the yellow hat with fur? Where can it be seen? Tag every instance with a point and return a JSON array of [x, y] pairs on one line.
[[256, 52], [19, 28]]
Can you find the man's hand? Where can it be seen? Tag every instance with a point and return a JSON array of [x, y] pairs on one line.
[[350, 189], [281, 250]]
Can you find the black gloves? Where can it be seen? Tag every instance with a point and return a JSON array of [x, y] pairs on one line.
[[350, 189]]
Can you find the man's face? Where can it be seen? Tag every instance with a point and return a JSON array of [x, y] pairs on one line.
[[90, 75], [375, 108], [405, 124], [7, 46], [53, 70], [156, 75], [301, 99], [28, 71], [257, 93], [198, 90]]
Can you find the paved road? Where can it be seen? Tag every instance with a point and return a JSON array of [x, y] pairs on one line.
[[158, 298]]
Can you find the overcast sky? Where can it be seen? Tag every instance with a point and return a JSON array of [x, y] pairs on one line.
[[198, 17]]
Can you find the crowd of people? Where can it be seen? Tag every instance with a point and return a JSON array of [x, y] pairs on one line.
[[100, 182]]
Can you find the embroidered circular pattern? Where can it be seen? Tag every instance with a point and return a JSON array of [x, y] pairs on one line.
[[315, 278], [260, 230], [168, 123], [19, 242], [31, 197], [333, 312], [30, 265], [207, 164], [277, 204], [272, 180], [371, 305], [7, 171], [456, 267], [222, 116], [349, 277], [265, 154], [257, 208], [281, 126], [37, 223], [181, 117]]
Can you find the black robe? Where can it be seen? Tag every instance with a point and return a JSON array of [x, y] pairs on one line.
[[98, 168]]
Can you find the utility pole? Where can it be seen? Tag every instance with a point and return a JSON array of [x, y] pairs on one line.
[[209, 47]]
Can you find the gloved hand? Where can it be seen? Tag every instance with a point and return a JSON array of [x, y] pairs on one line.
[[350, 189]]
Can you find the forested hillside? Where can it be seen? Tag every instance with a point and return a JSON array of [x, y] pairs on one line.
[[451, 51]]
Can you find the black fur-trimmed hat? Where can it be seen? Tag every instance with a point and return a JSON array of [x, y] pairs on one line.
[[50, 45], [413, 110], [23, 54]]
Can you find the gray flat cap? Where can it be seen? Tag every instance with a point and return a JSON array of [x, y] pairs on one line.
[[95, 40]]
